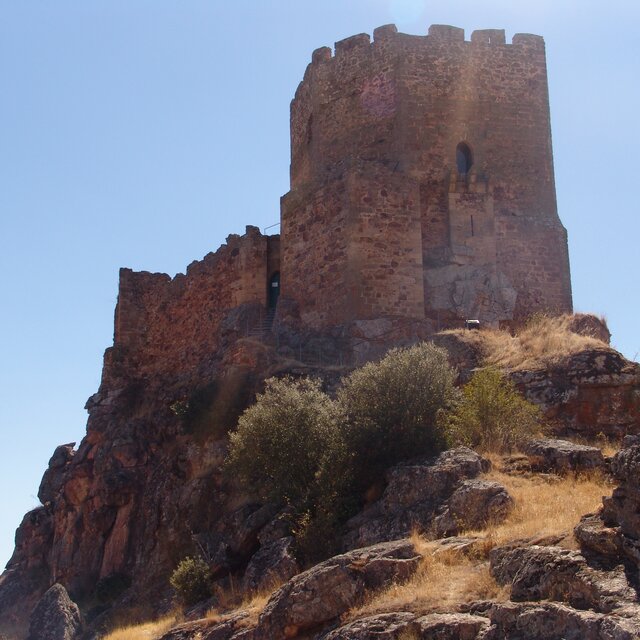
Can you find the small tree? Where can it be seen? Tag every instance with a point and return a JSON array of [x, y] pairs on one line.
[[285, 442], [392, 408], [492, 415], [191, 580]]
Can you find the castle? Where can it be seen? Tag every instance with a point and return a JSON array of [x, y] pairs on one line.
[[422, 190]]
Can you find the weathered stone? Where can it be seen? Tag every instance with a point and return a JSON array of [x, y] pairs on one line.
[[216, 628], [542, 622], [413, 495], [385, 626], [53, 477], [279, 527], [552, 573], [55, 617], [473, 505], [623, 507], [594, 536], [562, 456], [271, 565], [451, 626], [591, 393], [322, 593], [551, 621]]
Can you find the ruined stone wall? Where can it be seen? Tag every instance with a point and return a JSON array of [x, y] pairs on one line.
[[492, 243], [172, 325]]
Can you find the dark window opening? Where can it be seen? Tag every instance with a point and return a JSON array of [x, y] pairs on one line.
[[310, 129], [464, 158], [274, 290]]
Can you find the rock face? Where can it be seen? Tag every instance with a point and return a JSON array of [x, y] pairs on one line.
[[615, 531], [55, 617], [416, 492], [550, 621], [594, 392], [324, 592], [551, 573], [562, 456]]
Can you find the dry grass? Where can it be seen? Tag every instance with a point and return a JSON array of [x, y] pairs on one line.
[[444, 580], [547, 506], [252, 604], [144, 631], [544, 507], [543, 342]]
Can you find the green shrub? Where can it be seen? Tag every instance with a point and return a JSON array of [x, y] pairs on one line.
[[285, 443], [392, 408], [191, 580], [492, 415]]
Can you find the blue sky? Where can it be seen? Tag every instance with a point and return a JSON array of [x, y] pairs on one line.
[[140, 133]]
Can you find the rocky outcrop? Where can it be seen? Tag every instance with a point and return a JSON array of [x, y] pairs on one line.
[[414, 495], [386, 626], [400, 625], [215, 628], [322, 593], [473, 505], [55, 617], [271, 565], [551, 621], [562, 456], [537, 573], [615, 531], [591, 393]]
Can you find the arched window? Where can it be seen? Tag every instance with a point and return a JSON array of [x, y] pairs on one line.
[[464, 158], [274, 290]]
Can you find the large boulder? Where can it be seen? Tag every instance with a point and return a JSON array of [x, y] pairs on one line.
[[596, 538], [551, 621], [324, 592], [473, 505], [414, 494], [562, 456], [271, 565], [552, 573], [55, 617]]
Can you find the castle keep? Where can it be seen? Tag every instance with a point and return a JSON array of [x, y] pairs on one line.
[[422, 190]]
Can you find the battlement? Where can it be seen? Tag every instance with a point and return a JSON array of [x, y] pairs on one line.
[[437, 33]]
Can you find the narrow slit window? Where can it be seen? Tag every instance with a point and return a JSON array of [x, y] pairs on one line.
[[464, 158]]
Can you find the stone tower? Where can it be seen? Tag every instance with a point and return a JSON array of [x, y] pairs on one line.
[[422, 182]]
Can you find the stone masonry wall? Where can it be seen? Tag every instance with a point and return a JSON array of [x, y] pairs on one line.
[[403, 103], [172, 325], [333, 242]]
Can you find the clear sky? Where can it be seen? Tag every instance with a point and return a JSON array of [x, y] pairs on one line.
[[140, 133]]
